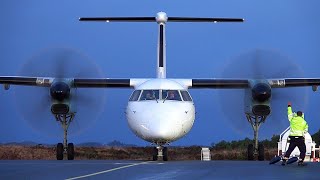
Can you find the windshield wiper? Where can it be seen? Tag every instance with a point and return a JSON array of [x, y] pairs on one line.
[[165, 99], [154, 95]]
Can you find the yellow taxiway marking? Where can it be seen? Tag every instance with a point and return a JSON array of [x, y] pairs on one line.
[[106, 171]]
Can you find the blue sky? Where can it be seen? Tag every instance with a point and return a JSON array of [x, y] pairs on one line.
[[128, 50]]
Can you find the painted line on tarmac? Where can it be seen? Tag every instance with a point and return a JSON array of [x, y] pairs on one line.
[[109, 170]]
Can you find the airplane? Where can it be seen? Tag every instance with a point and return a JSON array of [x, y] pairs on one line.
[[160, 110]]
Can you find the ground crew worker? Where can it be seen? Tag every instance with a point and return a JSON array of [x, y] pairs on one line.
[[298, 128]]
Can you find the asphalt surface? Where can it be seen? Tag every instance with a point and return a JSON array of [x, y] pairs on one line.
[[107, 169]]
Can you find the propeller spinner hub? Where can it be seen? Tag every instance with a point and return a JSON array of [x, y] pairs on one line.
[[161, 17], [261, 92], [60, 91]]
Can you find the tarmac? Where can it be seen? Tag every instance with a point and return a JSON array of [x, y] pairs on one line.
[[143, 170]]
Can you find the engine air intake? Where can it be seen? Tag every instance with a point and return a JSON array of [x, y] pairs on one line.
[[261, 110], [59, 108]]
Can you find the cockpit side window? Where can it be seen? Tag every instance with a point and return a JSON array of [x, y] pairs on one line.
[[171, 95], [186, 96], [149, 95], [135, 95]]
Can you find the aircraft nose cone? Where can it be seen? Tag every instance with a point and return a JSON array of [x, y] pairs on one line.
[[161, 132], [160, 122], [163, 128]]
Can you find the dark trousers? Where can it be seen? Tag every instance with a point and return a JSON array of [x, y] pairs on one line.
[[296, 141]]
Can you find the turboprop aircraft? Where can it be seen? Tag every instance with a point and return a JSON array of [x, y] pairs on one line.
[[160, 110]]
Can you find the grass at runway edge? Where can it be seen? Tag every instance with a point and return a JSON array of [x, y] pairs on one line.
[[20, 152]]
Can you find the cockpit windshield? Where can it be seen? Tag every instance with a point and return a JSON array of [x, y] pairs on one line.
[[156, 94], [171, 95], [149, 95], [135, 95]]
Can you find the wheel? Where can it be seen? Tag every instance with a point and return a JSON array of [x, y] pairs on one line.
[[317, 154], [155, 154], [59, 151], [250, 152], [261, 152], [70, 151], [165, 154]]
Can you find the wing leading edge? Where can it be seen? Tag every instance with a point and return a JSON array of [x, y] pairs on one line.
[[293, 82], [25, 81], [76, 82], [128, 83], [219, 83], [245, 83]]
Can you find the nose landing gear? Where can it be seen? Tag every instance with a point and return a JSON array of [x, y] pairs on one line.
[[256, 149], [160, 152], [65, 148]]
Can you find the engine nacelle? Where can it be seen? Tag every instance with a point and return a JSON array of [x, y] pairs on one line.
[[61, 95], [60, 91], [257, 98], [63, 107]]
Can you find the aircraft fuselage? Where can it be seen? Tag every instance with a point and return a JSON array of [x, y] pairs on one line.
[[160, 119]]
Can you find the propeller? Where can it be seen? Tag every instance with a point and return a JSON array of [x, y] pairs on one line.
[[261, 64], [34, 103]]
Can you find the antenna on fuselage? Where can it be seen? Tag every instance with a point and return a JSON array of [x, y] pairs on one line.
[[161, 19]]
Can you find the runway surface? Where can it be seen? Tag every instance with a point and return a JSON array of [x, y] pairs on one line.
[[145, 170]]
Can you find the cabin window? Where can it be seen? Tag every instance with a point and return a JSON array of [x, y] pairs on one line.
[[149, 95], [135, 95], [171, 95], [186, 96]]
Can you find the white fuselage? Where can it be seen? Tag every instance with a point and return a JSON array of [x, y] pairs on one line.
[[160, 120]]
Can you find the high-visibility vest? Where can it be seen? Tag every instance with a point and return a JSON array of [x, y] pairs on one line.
[[298, 126]]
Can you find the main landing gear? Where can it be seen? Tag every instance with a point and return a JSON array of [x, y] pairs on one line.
[[160, 152], [256, 149], [65, 147]]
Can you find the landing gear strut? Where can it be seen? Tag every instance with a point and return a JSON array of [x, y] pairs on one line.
[[256, 149], [160, 152], [65, 148]]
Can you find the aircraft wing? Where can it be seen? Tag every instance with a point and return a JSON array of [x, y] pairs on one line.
[[128, 83], [77, 82], [245, 83], [219, 83], [294, 82], [25, 81], [106, 83]]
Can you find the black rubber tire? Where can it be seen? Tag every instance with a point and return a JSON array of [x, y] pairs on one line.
[[70, 151], [316, 154], [59, 151], [260, 152], [155, 154], [250, 152], [165, 154]]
